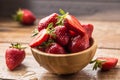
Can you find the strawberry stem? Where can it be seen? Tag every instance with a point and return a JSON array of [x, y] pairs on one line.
[[97, 63], [60, 18], [18, 16], [35, 32], [47, 43], [17, 46], [50, 30]]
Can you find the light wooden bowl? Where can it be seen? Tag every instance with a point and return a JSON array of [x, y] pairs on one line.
[[65, 63]]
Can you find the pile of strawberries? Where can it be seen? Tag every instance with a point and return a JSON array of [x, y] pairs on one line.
[[60, 34]]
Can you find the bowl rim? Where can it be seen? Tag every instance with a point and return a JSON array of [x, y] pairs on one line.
[[65, 55]]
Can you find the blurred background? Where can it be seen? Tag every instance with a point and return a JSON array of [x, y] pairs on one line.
[[83, 9]]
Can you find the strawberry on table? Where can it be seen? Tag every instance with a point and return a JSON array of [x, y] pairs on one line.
[[25, 17], [104, 63], [14, 56]]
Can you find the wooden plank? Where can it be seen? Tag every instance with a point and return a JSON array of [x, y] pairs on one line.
[[28, 71]]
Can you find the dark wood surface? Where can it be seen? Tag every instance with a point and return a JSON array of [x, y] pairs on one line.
[[106, 33]]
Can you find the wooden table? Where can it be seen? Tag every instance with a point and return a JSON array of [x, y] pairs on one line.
[[107, 34]]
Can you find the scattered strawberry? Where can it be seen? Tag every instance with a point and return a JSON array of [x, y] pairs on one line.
[[78, 43], [89, 29], [14, 56], [62, 35], [55, 49], [47, 20], [105, 63], [25, 16]]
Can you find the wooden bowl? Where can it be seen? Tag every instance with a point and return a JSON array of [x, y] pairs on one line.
[[65, 63]]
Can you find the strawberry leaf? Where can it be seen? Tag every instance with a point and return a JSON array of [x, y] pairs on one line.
[[18, 16], [62, 11], [46, 43], [61, 17], [35, 32], [50, 30], [97, 63], [17, 46]]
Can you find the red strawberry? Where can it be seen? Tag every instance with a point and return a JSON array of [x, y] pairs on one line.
[[47, 20], [89, 29], [105, 63], [77, 44], [14, 56], [25, 16], [41, 37], [55, 49], [73, 24], [72, 33], [62, 35]]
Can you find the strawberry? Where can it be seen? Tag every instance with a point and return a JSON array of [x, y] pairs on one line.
[[62, 35], [25, 16], [77, 44], [41, 37], [72, 33], [73, 24], [55, 49], [105, 63], [14, 56], [89, 29], [47, 20]]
